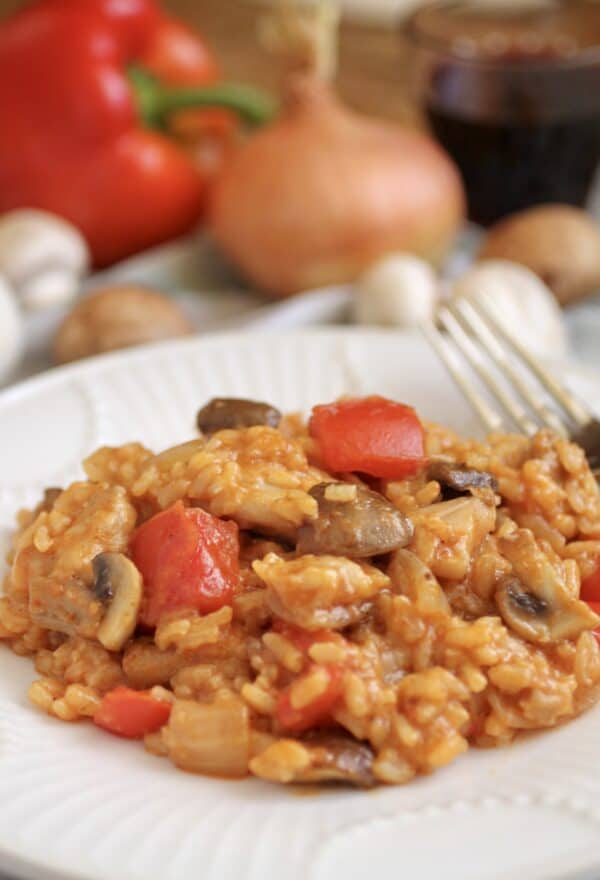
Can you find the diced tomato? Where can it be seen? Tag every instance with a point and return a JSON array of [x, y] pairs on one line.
[[595, 606], [130, 713], [188, 559], [590, 586], [315, 713], [372, 435]]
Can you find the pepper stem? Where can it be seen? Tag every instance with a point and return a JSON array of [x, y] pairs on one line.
[[156, 101]]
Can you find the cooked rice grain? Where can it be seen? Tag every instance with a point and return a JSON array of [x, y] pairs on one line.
[[425, 665]]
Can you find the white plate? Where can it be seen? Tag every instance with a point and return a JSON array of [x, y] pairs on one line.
[[75, 802]]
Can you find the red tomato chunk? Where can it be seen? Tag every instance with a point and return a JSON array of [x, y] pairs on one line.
[[188, 559], [372, 435], [130, 713], [590, 587], [316, 712]]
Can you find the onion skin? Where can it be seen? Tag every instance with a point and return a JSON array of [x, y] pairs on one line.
[[323, 192]]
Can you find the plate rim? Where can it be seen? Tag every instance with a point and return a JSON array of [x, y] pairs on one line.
[[110, 359], [18, 865]]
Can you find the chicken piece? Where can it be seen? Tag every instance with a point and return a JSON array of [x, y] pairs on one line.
[[448, 533], [254, 476], [319, 591], [53, 562]]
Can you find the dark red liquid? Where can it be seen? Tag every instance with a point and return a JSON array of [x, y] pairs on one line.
[[523, 130], [508, 166]]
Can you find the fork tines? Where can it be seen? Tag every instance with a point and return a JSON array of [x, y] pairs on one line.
[[526, 392]]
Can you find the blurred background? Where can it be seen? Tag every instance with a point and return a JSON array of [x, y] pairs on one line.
[[295, 162], [372, 72]]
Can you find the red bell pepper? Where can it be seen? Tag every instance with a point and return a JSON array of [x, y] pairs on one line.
[[590, 586], [188, 559], [373, 435], [316, 712], [130, 713], [83, 131], [176, 55]]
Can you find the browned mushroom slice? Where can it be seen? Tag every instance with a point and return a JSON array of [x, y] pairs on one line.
[[339, 759], [353, 521], [534, 601], [320, 759], [233, 412], [456, 479]]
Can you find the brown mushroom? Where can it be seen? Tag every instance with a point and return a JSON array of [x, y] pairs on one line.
[[319, 758], [353, 521], [119, 583], [118, 317], [221, 413], [456, 479], [534, 601], [560, 243], [338, 759]]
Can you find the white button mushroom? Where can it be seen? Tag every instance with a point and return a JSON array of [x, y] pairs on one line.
[[399, 291], [11, 331], [43, 256], [520, 301]]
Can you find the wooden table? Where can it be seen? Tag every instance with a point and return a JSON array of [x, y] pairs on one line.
[[372, 70]]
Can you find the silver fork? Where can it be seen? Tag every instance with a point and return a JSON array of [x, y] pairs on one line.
[[527, 394]]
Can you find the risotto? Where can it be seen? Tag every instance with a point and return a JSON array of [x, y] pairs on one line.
[[358, 598]]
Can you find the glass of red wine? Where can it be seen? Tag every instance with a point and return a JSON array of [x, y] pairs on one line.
[[512, 91]]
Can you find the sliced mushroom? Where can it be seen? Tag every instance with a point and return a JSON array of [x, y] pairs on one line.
[[117, 581], [411, 577], [322, 758], [534, 601], [456, 479], [353, 521], [233, 412], [338, 759]]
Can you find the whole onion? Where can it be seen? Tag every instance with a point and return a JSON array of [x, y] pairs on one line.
[[323, 192]]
